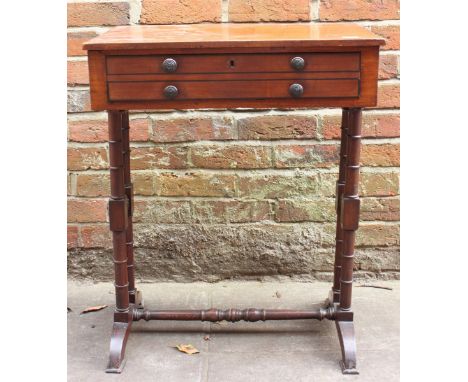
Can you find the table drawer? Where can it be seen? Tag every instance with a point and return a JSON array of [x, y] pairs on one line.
[[235, 63], [258, 89]]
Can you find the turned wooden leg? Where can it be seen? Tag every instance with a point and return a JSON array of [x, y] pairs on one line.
[[134, 294], [118, 219], [335, 297], [350, 205]]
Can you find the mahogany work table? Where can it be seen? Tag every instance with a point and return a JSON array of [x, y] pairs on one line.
[[233, 66]]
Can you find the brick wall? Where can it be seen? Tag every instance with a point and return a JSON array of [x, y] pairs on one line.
[[223, 194]]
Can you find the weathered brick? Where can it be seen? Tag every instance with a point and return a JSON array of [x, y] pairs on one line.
[[258, 186], [162, 211], [143, 183], [231, 211], [77, 73], [379, 184], [96, 130], [75, 42], [387, 209], [388, 66], [373, 126], [231, 156], [98, 13], [380, 155], [269, 10], [300, 210], [391, 33], [163, 157], [195, 184], [70, 184], [92, 185], [180, 11], [86, 210], [335, 10], [193, 129], [78, 101], [306, 156], [96, 236], [85, 158], [377, 234], [278, 127], [388, 95], [72, 236]]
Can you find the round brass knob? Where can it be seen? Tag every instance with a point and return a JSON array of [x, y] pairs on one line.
[[296, 90], [171, 92], [298, 63], [169, 65]]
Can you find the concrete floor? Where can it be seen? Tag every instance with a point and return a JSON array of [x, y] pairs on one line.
[[263, 351]]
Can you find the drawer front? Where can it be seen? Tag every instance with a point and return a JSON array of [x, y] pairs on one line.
[[236, 63], [254, 89]]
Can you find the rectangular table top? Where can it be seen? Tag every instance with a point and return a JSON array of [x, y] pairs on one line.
[[228, 35]]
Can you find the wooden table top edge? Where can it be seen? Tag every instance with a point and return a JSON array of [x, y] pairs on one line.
[[232, 35]]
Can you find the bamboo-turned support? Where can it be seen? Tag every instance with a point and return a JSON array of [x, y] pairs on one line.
[[339, 194], [350, 205], [118, 221], [234, 315], [129, 194]]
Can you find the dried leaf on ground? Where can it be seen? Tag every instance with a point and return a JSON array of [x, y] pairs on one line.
[[93, 309], [188, 349], [277, 294]]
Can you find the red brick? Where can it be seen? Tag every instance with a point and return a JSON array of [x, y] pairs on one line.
[[278, 127], [335, 10], [180, 11], [86, 158], [72, 236], [78, 101], [147, 158], [96, 236], [380, 155], [87, 131], [75, 42], [195, 184], [139, 129], [86, 210], [232, 156], [98, 13], [388, 67], [193, 129], [373, 126], [269, 10], [96, 130], [315, 156], [77, 73], [388, 95], [385, 209], [391, 33]]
